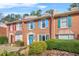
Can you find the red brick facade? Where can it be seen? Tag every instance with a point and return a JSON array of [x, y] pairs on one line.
[[3, 31], [25, 31], [52, 30]]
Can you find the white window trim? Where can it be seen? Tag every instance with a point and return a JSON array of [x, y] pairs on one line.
[[29, 26], [19, 37], [67, 36], [18, 26], [42, 35], [31, 33], [41, 24], [61, 22]]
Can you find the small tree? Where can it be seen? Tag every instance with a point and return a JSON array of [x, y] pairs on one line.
[[74, 5]]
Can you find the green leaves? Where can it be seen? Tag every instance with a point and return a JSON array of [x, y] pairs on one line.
[[36, 13], [3, 40], [11, 17], [63, 45], [37, 48]]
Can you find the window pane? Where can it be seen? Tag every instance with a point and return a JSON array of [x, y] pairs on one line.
[[71, 36], [39, 24], [18, 37], [43, 37], [47, 37], [19, 26], [63, 22], [43, 23], [39, 37], [66, 36], [31, 25], [46, 22]]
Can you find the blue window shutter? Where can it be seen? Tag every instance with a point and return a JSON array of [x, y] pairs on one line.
[[39, 24], [58, 22], [69, 21], [33, 25], [47, 22]]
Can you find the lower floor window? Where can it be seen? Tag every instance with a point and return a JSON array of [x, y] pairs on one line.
[[43, 37], [65, 36], [18, 37]]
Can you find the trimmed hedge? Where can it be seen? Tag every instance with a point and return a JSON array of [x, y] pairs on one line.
[[64, 45], [3, 40], [37, 48]]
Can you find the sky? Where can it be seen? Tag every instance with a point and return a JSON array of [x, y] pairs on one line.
[[22, 8]]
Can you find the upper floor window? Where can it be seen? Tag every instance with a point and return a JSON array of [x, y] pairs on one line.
[[31, 25], [18, 26], [43, 23], [63, 22]]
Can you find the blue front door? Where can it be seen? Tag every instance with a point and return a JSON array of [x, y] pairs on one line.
[[30, 39]]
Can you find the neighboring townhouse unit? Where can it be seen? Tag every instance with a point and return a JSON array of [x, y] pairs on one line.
[[32, 28], [68, 25], [3, 29]]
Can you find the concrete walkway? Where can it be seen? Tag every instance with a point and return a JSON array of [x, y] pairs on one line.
[[9, 48]]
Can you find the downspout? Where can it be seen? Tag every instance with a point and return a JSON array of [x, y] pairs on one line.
[[50, 25], [54, 28], [51, 18]]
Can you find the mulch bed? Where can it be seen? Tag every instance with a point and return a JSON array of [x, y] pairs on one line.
[[58, 53]]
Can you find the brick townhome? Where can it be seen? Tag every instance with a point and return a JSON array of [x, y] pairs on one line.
[[3, 29], [33, 28], [29, 29]]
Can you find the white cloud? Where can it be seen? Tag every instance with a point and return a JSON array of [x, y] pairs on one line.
[[39, 1], [41, 6], [18, 1], [10, 5]]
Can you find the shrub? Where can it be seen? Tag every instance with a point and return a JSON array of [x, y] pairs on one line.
[[37, 48], [3, 40], [19, 43], [49, 44], [64, 45]]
